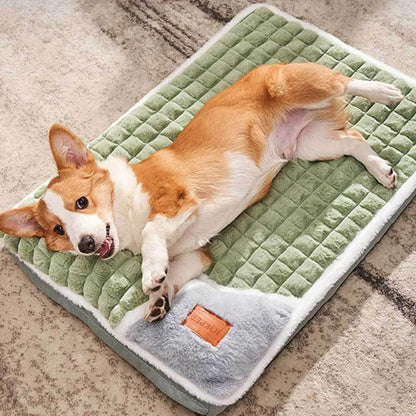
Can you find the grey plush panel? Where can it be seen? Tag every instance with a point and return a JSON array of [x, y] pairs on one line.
[[220, 371]]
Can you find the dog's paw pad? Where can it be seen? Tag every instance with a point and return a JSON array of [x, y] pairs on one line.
[[158, 308]]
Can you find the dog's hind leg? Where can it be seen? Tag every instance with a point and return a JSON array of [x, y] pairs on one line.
[[182, 268], [312, 86], [308, 85], [318, 142]]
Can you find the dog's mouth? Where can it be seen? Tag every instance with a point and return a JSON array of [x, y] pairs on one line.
[[107, 248]]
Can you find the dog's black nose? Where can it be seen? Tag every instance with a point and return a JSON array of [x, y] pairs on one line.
[[87, 244]]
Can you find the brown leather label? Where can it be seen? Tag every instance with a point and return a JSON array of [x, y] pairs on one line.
[[207, 325]]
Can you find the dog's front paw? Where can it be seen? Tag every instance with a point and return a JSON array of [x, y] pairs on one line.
[[159, 303], [153, 277]]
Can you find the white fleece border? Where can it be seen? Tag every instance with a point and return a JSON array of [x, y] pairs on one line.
[[333, 274]]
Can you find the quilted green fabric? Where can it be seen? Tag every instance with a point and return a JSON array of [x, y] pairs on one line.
[[284, 243]]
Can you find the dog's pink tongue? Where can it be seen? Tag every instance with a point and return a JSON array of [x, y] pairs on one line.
[[105, 248]]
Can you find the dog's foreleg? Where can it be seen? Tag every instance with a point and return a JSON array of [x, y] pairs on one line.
[[156, 235], [182, 268]]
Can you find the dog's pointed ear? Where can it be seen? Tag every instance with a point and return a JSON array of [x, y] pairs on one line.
[[21, 222], [67, 149]]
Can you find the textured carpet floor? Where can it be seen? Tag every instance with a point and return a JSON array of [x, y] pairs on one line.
[[76, 61]]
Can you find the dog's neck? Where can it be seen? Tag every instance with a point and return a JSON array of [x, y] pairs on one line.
[[130, 204]]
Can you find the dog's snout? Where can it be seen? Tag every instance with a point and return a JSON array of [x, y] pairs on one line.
[[87, 244]]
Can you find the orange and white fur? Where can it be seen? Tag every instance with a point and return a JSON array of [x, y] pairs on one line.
[[169, 206]]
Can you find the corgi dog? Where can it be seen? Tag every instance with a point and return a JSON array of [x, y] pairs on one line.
[[169, 206]]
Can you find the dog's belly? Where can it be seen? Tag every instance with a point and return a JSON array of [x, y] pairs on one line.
[[282, 141], [245, 182]]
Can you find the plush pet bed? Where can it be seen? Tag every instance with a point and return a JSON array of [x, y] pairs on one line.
[[277, 263]]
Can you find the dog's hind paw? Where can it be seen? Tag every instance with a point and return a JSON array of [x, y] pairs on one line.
[[382, 171], [375, 91]]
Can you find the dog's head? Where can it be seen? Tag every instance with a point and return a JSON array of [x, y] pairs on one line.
[[76, 211]]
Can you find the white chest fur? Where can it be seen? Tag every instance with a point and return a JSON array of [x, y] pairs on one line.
[[130, 207]]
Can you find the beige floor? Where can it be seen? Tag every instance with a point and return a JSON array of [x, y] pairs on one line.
[[83, 63]]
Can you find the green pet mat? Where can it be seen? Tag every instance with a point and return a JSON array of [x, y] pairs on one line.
[[285, 243]]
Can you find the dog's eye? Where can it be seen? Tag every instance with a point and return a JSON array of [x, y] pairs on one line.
[[81, 203], [59, 230]]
